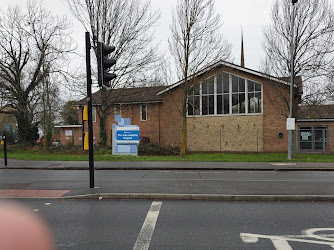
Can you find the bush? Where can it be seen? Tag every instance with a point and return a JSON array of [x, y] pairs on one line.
[[150, 149]]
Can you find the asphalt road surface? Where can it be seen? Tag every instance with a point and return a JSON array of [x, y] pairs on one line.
[[172, 182], [143, 224]]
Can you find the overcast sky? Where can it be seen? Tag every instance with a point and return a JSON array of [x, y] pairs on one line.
[[251, 15]]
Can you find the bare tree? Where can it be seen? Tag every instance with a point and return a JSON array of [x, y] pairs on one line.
[[314, 44], [195, 42], [127, 25], [48, 107], [32, 45]]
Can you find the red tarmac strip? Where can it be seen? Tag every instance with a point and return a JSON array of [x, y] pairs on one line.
[[15, 193]]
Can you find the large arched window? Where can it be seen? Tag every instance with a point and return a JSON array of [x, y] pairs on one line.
[[225, 94]]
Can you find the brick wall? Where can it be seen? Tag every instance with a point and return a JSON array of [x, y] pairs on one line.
[[239, 132], [171, 119], [225, 133], [149, 128], [275, 112], [74, 139]]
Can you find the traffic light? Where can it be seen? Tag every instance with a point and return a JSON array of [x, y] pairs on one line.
[[104, 63]]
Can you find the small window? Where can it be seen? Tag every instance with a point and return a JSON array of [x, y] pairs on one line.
[[118, 109], [94, 114], [143, 112]]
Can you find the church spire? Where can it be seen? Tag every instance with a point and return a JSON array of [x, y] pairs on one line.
[[242, 63]]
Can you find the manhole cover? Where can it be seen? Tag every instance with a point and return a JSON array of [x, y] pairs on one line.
[[14, 186]]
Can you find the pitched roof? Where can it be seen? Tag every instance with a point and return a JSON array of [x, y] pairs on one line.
[[222, 63], [128, 95], [315, 112]]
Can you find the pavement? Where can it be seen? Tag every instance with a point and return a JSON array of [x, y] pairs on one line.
[[228, 181], [156, 165]]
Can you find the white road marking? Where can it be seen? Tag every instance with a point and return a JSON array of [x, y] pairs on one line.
[[47, 204], [146, 232], [283, 164], [35, 210], [282, 242]]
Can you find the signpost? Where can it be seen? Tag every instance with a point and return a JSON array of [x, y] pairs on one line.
[[125, 137]]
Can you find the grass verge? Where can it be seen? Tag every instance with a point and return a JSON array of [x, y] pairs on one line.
[[39, 154]]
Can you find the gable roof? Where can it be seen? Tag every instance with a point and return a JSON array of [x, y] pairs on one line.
[[128, 96], [316, 112], [222, 63]]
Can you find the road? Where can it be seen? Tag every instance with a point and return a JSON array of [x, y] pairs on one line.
[[108, 224], [173, 182]]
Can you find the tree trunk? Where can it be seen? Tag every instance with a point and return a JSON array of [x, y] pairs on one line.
[[184, 132], [103, 133], [27, 131]]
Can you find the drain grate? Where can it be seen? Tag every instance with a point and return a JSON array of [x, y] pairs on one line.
[[14, 186]]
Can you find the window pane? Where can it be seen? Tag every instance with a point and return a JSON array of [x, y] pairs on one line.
[[191, 91], [211, 104], [226, 104], [211, 87], [250, 86], [196, 105], [305, 145], [196, 89], [94, 114], [257, 87], [204, 88], [190, 106], [235, 104], [242, 103], [204, 105], [190, 110], [318, 145], [251, 103], [143, 113], [234, 84], [226, 83], [219, 83], [219, 104], [258, 102], [318, 132], [241, 84]]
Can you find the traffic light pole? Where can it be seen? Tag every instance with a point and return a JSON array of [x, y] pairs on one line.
[[4, 149], [89, 103]]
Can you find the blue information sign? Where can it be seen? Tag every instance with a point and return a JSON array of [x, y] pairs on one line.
[[126, 135]]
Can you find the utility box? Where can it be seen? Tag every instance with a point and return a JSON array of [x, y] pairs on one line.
[[290, 124], [125, 137]]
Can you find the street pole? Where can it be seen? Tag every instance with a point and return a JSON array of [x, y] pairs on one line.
[[5, 149], [89, 104], [292, 76]]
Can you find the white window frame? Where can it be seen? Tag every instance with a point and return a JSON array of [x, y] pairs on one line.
[[230, 98], [141, 112]]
